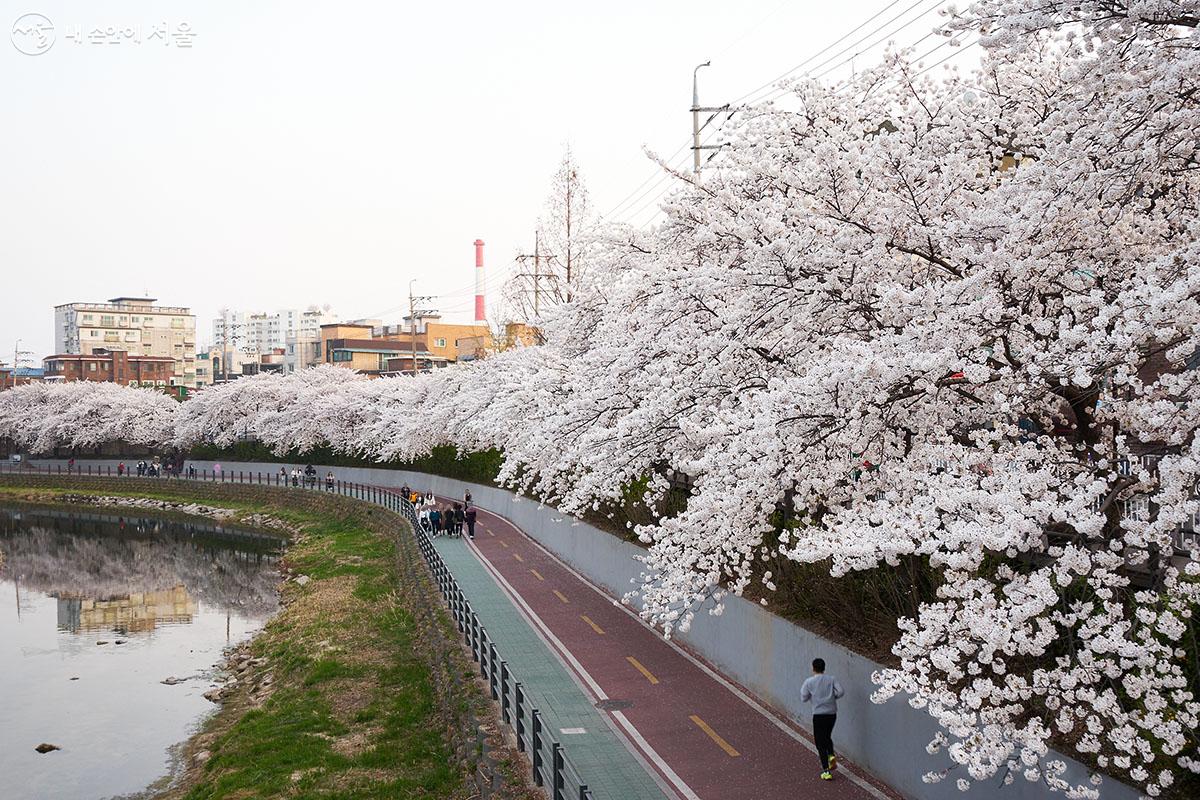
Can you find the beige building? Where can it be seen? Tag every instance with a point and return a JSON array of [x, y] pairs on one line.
[[133, 324]]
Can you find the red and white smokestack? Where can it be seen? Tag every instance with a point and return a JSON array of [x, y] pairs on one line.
[[479, 315]]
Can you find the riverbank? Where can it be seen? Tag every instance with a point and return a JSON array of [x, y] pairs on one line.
[[356, 688]]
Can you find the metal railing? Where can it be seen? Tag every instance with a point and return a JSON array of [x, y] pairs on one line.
[[552, 768]]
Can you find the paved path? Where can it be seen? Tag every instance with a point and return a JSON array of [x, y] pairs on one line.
[[704, 738], [610, 767]]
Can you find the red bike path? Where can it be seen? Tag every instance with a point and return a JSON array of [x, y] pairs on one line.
[[706, 738]]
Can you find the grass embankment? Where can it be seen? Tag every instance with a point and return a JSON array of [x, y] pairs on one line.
[[358, 688]]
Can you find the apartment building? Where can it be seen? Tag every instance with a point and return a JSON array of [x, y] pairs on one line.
[[264, 332], [135, 325]]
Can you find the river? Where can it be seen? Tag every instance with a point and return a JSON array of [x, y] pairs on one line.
[[96, 611]]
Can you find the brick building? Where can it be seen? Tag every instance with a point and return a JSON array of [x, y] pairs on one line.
[[115, 366]]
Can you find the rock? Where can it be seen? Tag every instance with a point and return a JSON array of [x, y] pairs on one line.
[[46, 748], [101, 642], [171, 681], [302, 580], [201, 757], [120, 641], [213, 695]]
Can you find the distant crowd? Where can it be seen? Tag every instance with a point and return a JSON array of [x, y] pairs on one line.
[[438, 518]]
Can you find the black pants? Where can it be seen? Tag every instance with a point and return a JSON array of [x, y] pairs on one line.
[[471, 528], [823, 734]]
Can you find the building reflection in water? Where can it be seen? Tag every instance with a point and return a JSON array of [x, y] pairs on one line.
[[134, 574], [132, 613]]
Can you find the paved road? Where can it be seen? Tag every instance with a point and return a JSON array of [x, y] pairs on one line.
[[704, 737]]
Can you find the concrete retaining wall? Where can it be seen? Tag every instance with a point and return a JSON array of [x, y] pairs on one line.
[[753, 647]]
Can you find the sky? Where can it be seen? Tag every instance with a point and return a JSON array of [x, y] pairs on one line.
[[301, 154]]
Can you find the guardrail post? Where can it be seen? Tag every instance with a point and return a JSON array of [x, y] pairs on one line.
[[584, 794], [492, 670], [519, 712], [505, 706], [556, 769], [537, 748]]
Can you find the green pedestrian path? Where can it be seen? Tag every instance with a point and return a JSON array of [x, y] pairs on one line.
[[610, 770]]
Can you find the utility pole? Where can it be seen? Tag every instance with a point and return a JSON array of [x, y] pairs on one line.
[[696, 126], [413, 300], [228, 333], [20, 357]]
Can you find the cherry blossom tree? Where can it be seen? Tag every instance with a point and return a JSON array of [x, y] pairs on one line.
[[950, 319], [41, 416]]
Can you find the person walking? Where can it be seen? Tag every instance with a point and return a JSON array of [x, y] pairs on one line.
[[121, 469], [435, 520], [459, 519], [469, 514], [329, 481], [823, 691], [283, 479]]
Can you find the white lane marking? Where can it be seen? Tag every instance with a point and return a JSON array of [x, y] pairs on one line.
[[663, 769]]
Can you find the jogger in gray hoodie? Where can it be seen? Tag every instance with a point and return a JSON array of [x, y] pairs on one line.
[[823, 691]]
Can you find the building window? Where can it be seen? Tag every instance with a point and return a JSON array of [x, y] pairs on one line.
[[91, 366], [95, 332], [342, 355], [439, 342]]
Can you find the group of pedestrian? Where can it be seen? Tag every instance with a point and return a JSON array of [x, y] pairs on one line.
[[450, 519], [307, 477]]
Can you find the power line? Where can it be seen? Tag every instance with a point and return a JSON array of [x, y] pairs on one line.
[[876, 43], [652, 178], [771, 83], [636, 200]]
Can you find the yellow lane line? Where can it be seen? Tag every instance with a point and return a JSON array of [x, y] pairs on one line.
[[595, 627], [638, 666], [503, 543], [561, 596], [724, 745], [517, 556], [537, 574]]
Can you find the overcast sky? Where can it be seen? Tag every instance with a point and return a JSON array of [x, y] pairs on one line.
[[301, 153]]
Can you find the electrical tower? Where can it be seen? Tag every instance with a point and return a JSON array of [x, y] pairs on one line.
[[537, 276]]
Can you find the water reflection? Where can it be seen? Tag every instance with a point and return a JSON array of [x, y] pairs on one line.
[[139, 611], [96, 610]]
